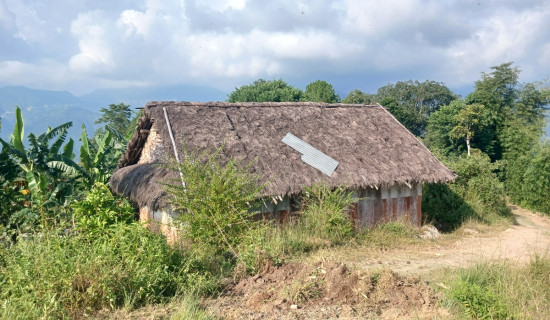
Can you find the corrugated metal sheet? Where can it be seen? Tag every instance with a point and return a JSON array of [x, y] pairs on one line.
[[310, 155]]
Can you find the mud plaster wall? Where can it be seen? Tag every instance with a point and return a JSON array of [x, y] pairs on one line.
[[152, 150]]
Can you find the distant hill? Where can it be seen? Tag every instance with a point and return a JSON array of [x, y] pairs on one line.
[[43, 108], [138, 97]]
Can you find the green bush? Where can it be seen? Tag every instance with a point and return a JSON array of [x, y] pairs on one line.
[[477, 193], [216, 199], [52, 276], [324, 213], [101, 211], [443, 207]]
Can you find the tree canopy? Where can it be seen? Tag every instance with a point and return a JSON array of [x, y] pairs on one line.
[[117, 117], [412, 102], [266, 90], [320, 91], [358, 97]]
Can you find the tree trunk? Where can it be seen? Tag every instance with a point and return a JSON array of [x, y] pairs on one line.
[[468, 146]]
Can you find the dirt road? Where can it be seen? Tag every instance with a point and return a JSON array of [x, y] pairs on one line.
[[517, 243]]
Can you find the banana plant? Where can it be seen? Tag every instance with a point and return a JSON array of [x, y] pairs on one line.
[[47, 171], [98, 159]]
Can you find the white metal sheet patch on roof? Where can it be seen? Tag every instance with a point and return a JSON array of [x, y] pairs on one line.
[[310, 155]]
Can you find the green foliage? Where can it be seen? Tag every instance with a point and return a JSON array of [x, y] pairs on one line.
[[438, 131], [99, 159], [118, 117], [46, 170], [266, 90], [358, 97], [536, 181], [506, 101], [324, 213], [100, 211], [502, 291], [52, 277], [469, 120], [215, 202], [477, 193], [479, 301], [190, 309], [414, 101], [320, 91]]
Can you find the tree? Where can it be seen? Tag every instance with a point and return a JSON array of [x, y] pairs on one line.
[[414, 101], [263, 91], [438, 130], [468, 121], [507, 101], [358, 97], [118, 117], [320, 91]]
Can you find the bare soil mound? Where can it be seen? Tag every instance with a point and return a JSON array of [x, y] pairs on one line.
[[326, 290]]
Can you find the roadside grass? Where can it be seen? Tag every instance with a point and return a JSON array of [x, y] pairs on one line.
[[53, 276], [498, 290]]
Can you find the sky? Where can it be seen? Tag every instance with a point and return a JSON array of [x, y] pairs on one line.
[[83, 45]]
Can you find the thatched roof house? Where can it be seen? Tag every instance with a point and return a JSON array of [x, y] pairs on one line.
[[374, 152]]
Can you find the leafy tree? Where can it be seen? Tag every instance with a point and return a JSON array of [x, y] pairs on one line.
[[438, 131], [358, 97], [497, 91], [118, 117], [414, 101], [320, 91], [263, 91], [468, 121]]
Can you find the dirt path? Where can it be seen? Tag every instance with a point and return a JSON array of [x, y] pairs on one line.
[[518, 243], [362, 282]]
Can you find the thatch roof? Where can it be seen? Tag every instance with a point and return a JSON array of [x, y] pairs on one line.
[[373, 149]]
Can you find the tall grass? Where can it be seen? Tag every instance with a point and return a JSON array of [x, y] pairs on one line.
[[501, 290], [53, 276]]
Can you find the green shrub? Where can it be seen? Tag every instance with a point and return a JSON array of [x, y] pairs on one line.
[[101, 211], [324, 213], [477, 193], [215, 202], [443, 207], [52, 276]]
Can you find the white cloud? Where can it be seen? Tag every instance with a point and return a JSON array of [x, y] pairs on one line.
[[232, 41], [93, 32], [223, 5]]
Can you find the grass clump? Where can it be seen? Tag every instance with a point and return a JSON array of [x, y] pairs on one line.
[[502, 290], [53, 276], [323, 222]]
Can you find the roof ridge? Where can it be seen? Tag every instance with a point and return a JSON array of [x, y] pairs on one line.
[[257, 104]]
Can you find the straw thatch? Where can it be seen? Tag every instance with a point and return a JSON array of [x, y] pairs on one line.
[[373, 149]]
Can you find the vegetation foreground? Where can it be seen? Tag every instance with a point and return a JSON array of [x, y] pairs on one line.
[[70, 249]]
